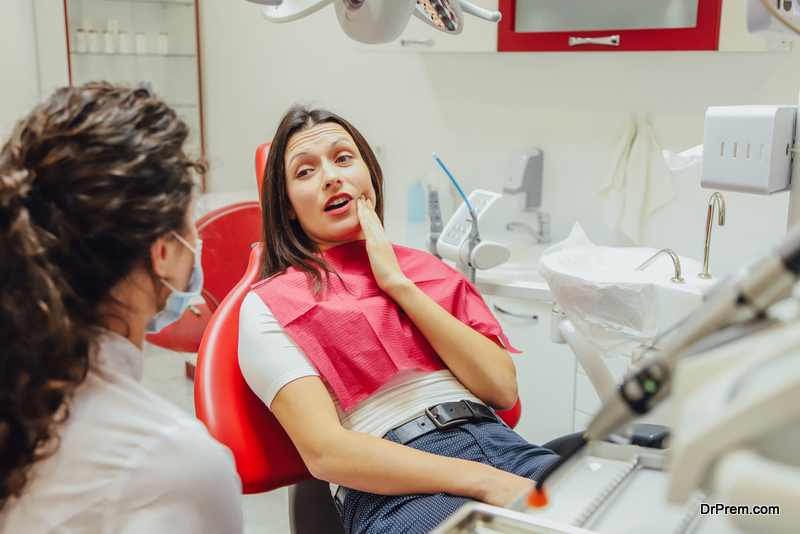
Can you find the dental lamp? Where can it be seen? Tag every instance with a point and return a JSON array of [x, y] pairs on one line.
[[380, 21]]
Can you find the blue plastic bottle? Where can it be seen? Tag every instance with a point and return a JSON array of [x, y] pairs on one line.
[[416, 203]]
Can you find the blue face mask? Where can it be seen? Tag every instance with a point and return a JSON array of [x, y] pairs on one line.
[[179, 300]]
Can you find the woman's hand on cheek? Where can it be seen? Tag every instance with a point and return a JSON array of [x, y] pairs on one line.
[[382, 258]]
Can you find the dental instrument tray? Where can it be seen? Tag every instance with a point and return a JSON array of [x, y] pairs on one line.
[[607, 488]]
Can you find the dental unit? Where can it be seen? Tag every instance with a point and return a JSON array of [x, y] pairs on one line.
[[746, 149], [460, 240], [731, 366]]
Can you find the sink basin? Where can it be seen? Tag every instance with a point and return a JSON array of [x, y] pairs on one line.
[[519, 277], [608, 301]]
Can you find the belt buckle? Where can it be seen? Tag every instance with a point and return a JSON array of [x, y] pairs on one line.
[[478, 411], [448, 424]]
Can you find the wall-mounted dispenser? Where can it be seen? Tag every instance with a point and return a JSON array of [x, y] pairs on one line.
[[524, 175], [748, 149]]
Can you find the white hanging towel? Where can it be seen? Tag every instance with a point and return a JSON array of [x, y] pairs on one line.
[[640, 182], [661, 188], [613, 186]]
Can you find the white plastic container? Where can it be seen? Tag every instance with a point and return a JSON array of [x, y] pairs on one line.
[[80, 42], [108, 41], [141, 43], [124, 43], [94, 41]]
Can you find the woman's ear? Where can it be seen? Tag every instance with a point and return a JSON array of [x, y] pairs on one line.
[[292, 215], [158, 257]]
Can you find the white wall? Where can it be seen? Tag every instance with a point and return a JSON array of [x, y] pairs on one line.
[[474, 109], [19, 78]]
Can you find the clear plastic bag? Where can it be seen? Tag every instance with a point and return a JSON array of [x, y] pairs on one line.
[[608, 301]]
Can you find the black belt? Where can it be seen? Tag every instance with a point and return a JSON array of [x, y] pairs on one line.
[[443, 416]]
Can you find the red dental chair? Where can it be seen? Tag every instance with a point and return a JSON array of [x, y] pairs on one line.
[[265, 457], [228, 234]]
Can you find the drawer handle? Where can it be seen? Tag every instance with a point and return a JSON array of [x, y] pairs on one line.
[[530, 317], [411, 42], [611, 40]]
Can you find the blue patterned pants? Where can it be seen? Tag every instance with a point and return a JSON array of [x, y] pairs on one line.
[[489, 443]]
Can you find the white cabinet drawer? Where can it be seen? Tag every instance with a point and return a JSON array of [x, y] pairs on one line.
[[545, 370]]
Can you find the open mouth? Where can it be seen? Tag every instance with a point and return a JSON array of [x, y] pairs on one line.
[[338, 203]]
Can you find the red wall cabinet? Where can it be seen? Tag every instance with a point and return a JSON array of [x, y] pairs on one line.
[[704, 35]]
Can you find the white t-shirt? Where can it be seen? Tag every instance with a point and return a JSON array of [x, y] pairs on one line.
[[129, 462]]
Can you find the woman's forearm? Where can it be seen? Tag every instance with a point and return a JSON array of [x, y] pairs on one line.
[[484, 367], [368, 463], [380, 466]]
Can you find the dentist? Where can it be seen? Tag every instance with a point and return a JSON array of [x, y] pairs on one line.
[[98, 247]]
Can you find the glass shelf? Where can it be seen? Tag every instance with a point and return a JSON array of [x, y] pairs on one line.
[[173, 77], [130, 55]]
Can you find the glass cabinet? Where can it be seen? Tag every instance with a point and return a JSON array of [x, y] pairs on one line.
[[147, 43]]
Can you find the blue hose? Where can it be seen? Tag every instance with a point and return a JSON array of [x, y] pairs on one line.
[[469, 207]]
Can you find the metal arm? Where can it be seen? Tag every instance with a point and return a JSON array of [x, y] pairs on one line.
[[485, 14]]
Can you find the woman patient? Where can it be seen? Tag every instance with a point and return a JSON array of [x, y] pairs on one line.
[[379, 361]]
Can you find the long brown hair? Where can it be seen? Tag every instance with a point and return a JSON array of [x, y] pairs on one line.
[[286, 245], [88, 181]]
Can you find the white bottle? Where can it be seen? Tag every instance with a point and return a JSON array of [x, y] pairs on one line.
[[80, 42], [141, 43], [94, 41], [108, 42], [124, 43], [163, 43]]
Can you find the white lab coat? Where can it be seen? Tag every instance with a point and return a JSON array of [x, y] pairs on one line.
[[128, 462]]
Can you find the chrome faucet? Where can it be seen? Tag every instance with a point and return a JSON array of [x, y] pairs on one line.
[[543, 235], [715, 198], [675, 261]]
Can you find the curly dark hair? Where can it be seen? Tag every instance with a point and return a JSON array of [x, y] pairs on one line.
[[88, 182], [285, 243]]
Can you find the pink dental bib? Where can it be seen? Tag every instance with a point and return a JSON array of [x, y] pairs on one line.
[[355, 335]]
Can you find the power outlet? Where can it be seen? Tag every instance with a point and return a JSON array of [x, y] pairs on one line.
[[748, 148]]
